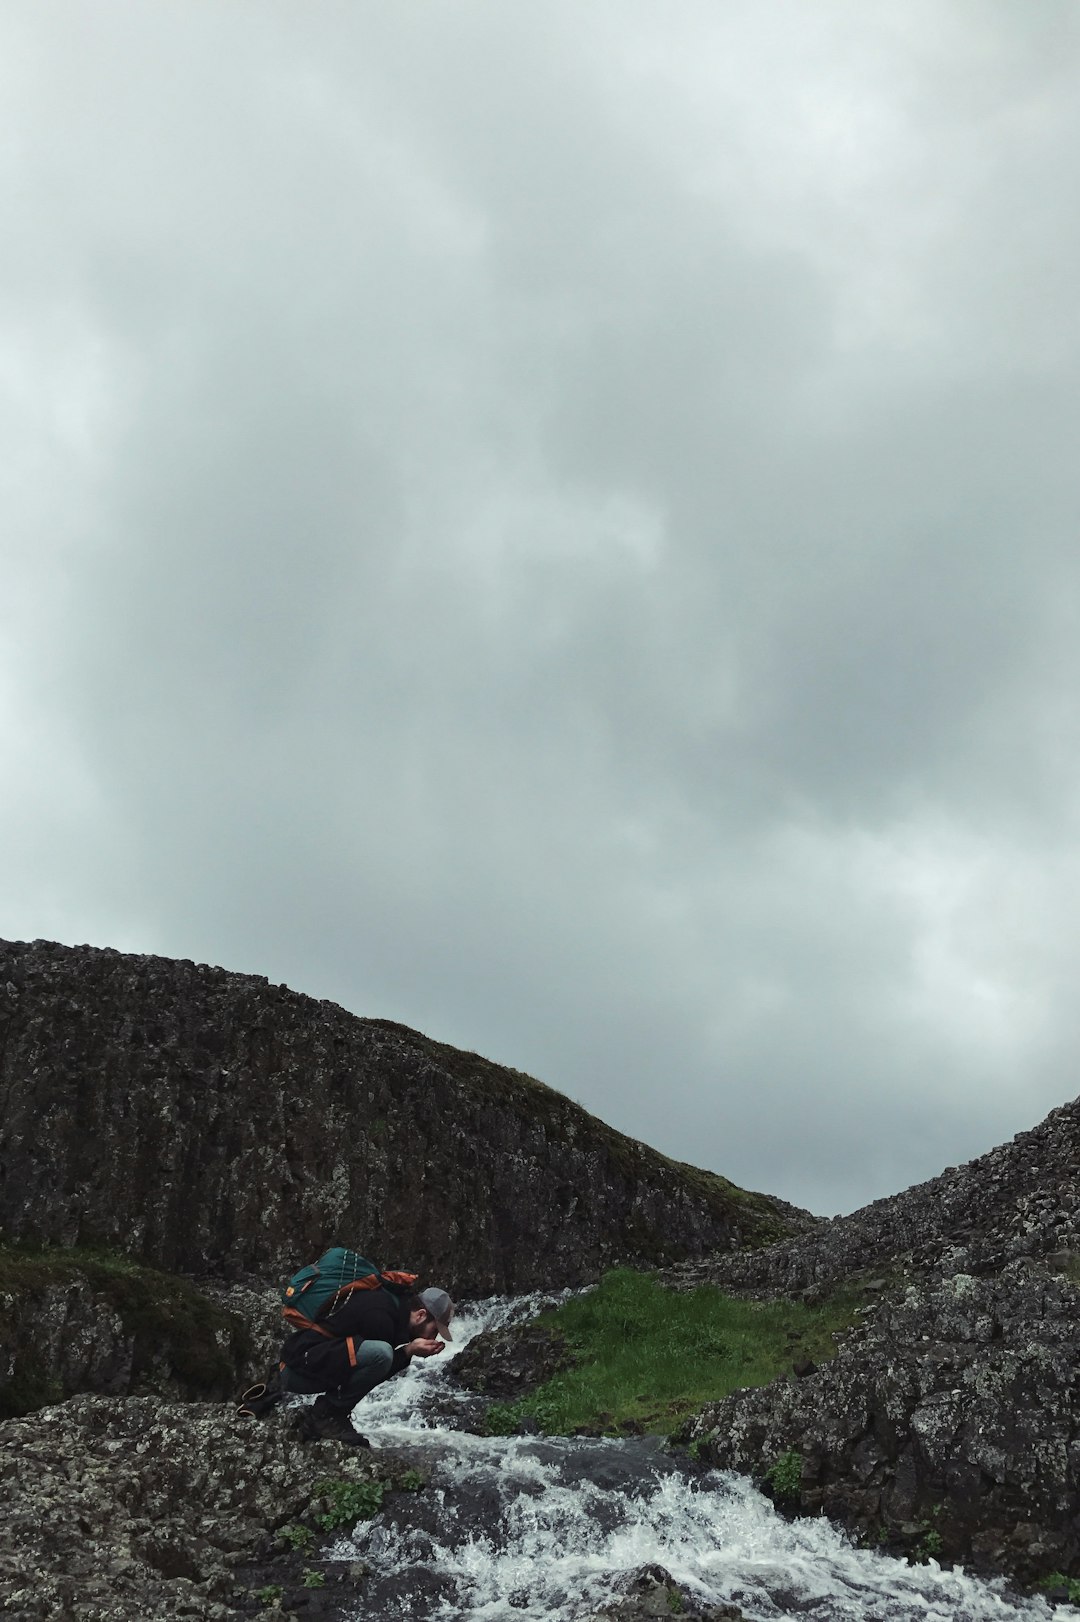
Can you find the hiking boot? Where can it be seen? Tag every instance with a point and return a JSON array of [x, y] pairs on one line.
[[320, 1423]]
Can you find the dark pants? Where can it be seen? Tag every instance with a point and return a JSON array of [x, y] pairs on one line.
[[340, 1381]]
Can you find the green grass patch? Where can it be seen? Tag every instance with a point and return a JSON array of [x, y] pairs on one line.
[[655, 1356]]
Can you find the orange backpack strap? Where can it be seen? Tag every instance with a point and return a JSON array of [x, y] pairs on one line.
[[299, 1320], [401, 1281]]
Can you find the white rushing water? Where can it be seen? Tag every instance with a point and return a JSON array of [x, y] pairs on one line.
[[538, 1527]]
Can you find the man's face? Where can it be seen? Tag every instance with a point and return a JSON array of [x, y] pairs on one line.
[[423, 1324]]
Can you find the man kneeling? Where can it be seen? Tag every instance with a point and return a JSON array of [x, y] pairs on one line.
[[373, 1334]]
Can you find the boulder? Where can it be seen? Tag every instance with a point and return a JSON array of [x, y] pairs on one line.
[[650, 1592], [71, 1322]]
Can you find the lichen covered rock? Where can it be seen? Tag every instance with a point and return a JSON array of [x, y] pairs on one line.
[[1020, 1199], [120, 1510]]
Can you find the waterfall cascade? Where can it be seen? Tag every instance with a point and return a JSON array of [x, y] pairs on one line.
[[541, 1527]]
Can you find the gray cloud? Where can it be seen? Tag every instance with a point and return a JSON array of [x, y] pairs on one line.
[[556, 527]]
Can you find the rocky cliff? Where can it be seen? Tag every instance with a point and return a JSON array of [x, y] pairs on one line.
[[948, 1423], [211, 1123]]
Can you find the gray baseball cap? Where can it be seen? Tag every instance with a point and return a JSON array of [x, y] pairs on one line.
[[441, 1308]]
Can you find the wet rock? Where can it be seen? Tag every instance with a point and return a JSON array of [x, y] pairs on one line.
[[212, 1123], [651, 1591], [508, 1363]]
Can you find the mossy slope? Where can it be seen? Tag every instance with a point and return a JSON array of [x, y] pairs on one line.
[[83, 1320]]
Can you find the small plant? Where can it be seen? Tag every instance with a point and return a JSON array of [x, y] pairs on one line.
[[313, 1579], [931, 1545], [270, 1595], [349, 1501], [785, 1477], [503, 1418], [412, 1481], [1058, 1579], [547, 1414], [698, 1448], [675, 1601], [298, 1537]]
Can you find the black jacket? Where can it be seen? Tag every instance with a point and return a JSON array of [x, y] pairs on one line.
[[364, 1315]]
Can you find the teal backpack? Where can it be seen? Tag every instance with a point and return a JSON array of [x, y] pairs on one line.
[[319, 1289]]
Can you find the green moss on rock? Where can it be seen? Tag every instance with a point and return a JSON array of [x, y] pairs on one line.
[[175, 1330]]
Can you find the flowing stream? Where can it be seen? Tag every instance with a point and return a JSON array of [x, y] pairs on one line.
[[533, 1528]]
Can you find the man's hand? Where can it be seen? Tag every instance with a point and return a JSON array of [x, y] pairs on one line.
[[424, 1348]]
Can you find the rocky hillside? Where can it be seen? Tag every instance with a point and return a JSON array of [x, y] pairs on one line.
[[948, 1423], [211, 1123], [1022, 1199]]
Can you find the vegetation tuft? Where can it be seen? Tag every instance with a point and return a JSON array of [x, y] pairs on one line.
[[785, 1477], [1058, 1579], [653, 1356], [349, 1502], [297, 1537], [931, 1544]]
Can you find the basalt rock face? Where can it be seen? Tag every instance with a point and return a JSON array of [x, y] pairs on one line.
[[210, 1122], [71, 1325], [948, 1424]]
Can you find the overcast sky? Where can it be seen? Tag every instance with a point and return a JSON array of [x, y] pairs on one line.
[[557, 524]]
